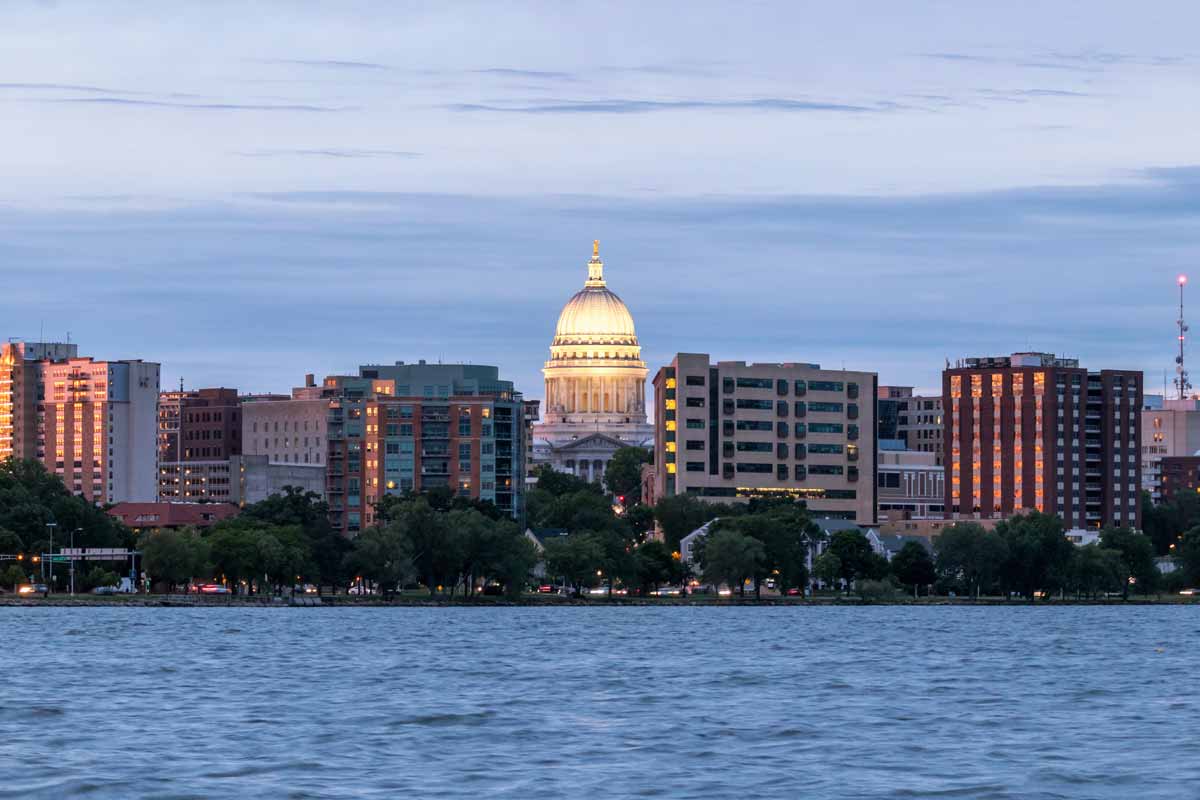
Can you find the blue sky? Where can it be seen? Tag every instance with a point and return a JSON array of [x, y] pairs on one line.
[[249, 192]]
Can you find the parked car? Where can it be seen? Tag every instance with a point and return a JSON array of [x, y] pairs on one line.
[[33, 588], [493, 590], [104, 590], [545, 588], [668, 591], [213, 588], [795, 591]]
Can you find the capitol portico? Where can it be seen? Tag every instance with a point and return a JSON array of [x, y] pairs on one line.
[[595, 382]]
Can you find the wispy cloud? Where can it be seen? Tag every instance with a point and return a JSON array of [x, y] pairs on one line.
[[505, 72], [650, 106], [324, 63], [124, 101], [331, 152], [62, 87]]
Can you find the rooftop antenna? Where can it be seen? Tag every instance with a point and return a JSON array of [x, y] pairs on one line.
[[1181, 376]]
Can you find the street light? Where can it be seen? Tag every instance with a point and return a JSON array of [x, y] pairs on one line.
[[52, 526]]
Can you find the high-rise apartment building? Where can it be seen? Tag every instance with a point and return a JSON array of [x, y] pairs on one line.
[[1171, 430], [732, 430], [199, 431], [20, 367], [92, 423], [413, 427], [1035, 432]]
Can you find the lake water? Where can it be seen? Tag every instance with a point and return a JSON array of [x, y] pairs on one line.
[[704, 702]]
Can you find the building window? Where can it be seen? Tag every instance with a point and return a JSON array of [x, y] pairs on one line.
[[694, 380], [695, 424], [754, 405], [694, 402], [694, 444], [825, 408], [727, 385], [754, 447], [695, 466], [754, 383]]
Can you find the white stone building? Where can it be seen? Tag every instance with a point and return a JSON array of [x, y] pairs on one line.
[[595, 383]]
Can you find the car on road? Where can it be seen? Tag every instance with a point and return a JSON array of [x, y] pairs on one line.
[[33, 588], [668, 591], [212, 588], [104, 590]]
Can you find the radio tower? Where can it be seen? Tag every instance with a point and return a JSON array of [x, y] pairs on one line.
[[1181, 376]]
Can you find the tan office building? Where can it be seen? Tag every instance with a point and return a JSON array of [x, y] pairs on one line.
[[731, 431]]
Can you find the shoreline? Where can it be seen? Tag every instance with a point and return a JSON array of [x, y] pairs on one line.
[[342, 601]]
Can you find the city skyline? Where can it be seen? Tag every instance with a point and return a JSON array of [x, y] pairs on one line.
[[308, 191]]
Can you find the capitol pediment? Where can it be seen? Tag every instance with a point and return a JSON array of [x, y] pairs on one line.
[[594, 441]]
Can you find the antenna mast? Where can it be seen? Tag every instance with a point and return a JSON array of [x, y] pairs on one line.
[[1181, 376]]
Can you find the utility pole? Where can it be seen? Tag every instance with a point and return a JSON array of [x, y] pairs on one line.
[[73, 531], [51, 526], [1181, 379]]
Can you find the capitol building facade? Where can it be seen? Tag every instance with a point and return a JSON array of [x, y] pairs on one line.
[[595, 383]]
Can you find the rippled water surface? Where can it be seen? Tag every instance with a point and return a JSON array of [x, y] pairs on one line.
[[876, 702]]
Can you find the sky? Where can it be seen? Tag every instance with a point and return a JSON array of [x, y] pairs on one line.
[[250, 191]]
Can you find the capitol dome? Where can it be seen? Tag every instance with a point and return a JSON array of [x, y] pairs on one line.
[[594, 316], [595, 372]]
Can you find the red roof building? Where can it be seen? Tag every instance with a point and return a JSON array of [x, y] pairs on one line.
[[155, 516]]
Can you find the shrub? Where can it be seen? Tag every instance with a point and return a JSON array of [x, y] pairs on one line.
[[875, 590]]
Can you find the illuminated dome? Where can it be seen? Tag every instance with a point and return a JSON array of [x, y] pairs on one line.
[[595, 372], [595, 315]]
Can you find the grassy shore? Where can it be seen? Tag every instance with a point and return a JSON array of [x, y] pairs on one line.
[[535, 600]]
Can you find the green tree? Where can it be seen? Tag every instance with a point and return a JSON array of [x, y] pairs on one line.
[[12, 577], [1094, 569], [438, 550], [1165, 523], [1137, 559], [174, 557], [913, 566], [576, 558], [787, 534], [384, 556], [235, 554], [30, 497], [969, 556], [97, 576], [732, 558], [514, 558], [640, 519], [10, 543], [681, 514], [1039, 555], [828, 569], [654, 566], [1187, 556], [854, 554], [623, 475]]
